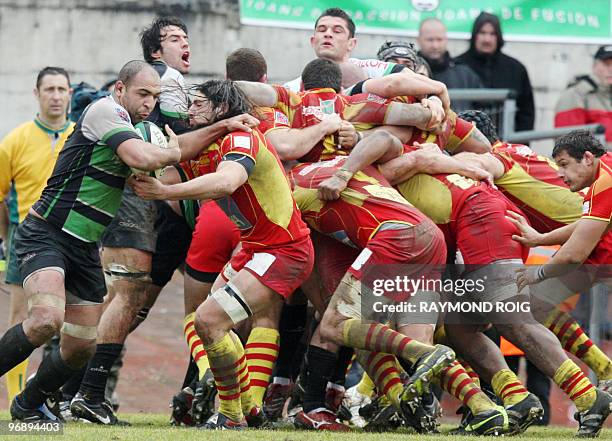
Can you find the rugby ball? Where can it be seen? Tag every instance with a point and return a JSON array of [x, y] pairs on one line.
[[153, 134]]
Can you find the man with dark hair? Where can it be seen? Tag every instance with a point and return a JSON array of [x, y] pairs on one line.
[[498, 70], [56, 243], [246, 64], [320, 73], [433, 47], [27, 155]]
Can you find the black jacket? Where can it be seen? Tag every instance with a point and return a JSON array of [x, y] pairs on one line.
[[500, 71], [455, 76]]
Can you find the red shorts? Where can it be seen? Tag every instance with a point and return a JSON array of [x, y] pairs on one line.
[[282, 269], [214, 238], [332, 260], [483, 234]]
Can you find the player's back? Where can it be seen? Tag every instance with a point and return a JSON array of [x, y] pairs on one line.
[[531, 182], [365, 206]]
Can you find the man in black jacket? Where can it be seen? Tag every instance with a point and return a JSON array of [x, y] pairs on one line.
[[433, 44], [498, 70]]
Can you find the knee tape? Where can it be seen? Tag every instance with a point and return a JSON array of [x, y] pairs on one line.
[[116, 271], [79, 331], [46, 300], [232, 302]]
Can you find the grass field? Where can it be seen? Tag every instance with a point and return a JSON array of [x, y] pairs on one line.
[[147, 427]]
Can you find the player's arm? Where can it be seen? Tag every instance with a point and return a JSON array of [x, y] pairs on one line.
[[378, 147], [530, 237], [137, 153], [292, 144], [430, 160], [259, 94], [229, 176], [475, 142], [485, 161], [416, 115], [192, 143]]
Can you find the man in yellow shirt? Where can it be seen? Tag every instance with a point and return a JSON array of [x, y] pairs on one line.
[[28, 154]]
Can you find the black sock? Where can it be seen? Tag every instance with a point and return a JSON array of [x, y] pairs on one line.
[[51, 375], [319, 367], [94, 381], [14, 348], [345, 355], [291, 328], [71, 387], [192, 372]]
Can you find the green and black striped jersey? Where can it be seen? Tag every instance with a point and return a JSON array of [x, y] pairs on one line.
[[84, 192]]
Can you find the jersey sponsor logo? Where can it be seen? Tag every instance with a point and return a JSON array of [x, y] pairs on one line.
[[320, 164], [375, 98], [369, 63], [586, 207], [328, 107], [281, 118], [122, 114], [523, 150], [314, 111], [242, 142]]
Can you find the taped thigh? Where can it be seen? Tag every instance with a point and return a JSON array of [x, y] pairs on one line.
[[233, 302], [80, 331]]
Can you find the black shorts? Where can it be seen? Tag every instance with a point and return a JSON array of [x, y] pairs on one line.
[[173, 240], [40, 245], [134, 224]]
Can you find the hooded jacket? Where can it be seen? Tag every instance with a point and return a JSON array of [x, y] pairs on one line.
[[585, 102], [500, 71]]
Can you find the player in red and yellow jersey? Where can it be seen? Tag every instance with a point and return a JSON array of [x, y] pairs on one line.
[[244, 175]]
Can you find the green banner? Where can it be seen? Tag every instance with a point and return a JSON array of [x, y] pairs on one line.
[[568, 21]]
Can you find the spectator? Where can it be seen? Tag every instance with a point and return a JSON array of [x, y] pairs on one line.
[[433, 44], [588, 100], [498, 70]]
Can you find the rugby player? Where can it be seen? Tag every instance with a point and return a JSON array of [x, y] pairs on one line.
[[56, 243], [28, 154], [245, 175]]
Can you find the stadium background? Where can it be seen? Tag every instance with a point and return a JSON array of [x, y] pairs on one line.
[[94, 38]]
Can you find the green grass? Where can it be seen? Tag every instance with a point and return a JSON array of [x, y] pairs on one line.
[[147, 427]]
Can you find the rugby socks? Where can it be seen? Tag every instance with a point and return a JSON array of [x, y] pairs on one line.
[[384, 370], [52, 373], [247, 402], [93, 385], [14, 348], [366, 386], [224, 362], [320, 365], [471, 372], [381, 338], [291, 329], [343, 365], [576, 385], [508, 387], [456, 381], [195, 345], [575, 341], [261, 353], [71, 387], [15, 379]]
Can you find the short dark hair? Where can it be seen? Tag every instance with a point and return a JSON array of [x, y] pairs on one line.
[[131, 69], [150, 38], [225, 92], [321, 73], [51, 70], [245, 64], [337, 12], [483, 122], [576, 143]]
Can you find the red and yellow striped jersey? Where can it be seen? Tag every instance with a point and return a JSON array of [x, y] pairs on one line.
[[263, 208], [453, 135], [598, 205], [532, 183], [363, 208]]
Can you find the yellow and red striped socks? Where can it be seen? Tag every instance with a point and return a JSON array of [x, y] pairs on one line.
[[224, 363], [576, 385], [246, 397], [380, 338], [261, 353], [575, 341], [508, 387], [457, 382], [384, 370]]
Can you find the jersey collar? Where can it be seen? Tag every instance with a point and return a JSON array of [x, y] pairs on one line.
[[41, 125]]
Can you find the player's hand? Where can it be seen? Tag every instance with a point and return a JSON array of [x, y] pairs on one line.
[[330, 189], [479, 174], [437, 112], [347, 135], [241, 123], [147, 187], [331, 123], [428, 147], [529, 237], [527, 276], [173, 142]]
